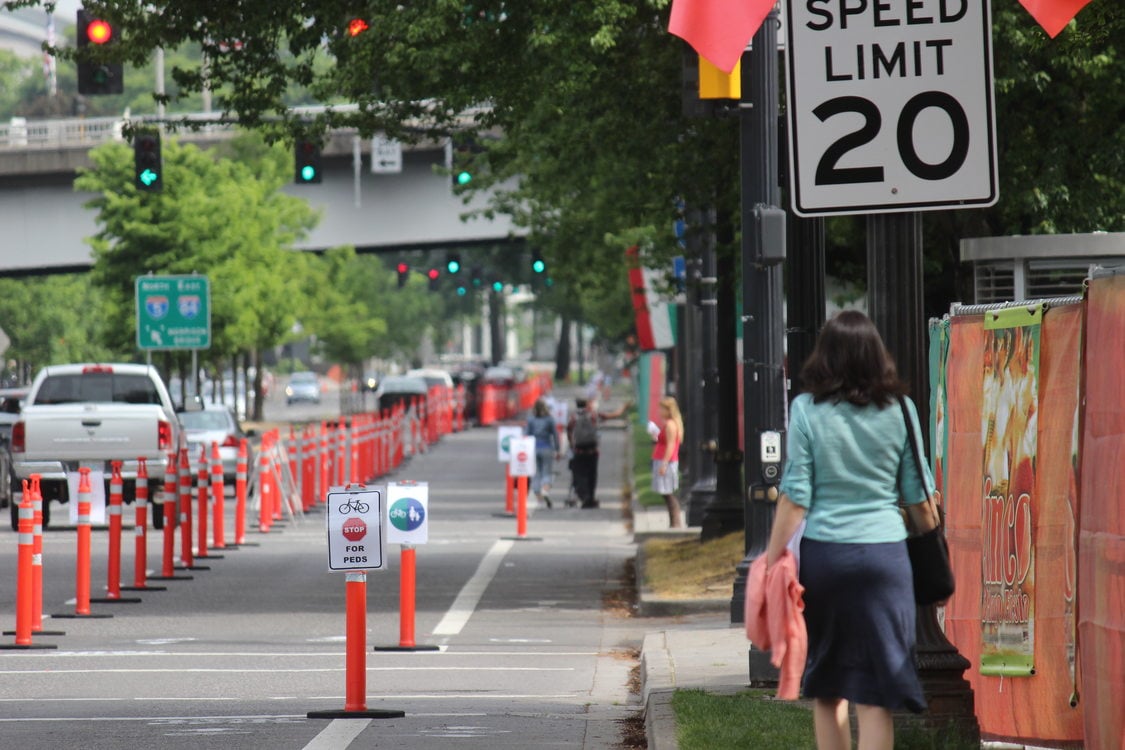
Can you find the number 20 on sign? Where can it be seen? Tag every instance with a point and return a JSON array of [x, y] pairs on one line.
[[890, 105]]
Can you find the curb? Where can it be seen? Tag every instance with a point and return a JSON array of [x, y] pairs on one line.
[[650, 605]]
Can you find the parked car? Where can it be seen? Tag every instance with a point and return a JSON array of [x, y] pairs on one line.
[[469, 376], [397, 389], [216, 423], [303, 386], [11, 401], [91, 415]]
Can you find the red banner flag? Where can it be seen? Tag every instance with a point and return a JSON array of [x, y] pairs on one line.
[[719, 30], [1052, 15]]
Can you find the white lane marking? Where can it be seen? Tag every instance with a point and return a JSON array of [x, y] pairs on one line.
[[338, 734], [413, 655], [237, 670], [462, 609], [334, 698]]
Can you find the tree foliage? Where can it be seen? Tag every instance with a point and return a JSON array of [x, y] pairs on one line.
[[578, 108]]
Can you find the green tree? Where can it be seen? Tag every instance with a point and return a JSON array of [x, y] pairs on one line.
[[50, 320], [219, 217]]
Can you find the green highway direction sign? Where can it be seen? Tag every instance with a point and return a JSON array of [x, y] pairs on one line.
[[173, 312]]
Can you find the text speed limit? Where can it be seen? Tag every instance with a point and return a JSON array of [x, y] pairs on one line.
[[890, 105]]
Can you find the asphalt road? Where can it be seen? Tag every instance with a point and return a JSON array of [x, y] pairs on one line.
[[532, 652]]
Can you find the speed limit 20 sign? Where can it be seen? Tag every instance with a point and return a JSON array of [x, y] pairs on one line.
[[890, 105]]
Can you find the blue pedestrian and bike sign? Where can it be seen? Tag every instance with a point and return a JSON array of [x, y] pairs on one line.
[[407, 516]]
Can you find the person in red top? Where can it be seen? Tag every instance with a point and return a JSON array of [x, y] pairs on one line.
[[666, 458]]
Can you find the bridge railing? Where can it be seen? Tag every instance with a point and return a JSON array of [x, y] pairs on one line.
[[84, 132]]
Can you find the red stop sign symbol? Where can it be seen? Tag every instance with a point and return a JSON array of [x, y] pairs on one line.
[[354, 529], [522, 457]]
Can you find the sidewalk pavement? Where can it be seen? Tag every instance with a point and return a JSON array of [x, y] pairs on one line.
[[702, 652]]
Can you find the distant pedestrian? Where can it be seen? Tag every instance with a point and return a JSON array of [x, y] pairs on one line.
[[541, 426], [666, 458], [848, 462], [583, 438]]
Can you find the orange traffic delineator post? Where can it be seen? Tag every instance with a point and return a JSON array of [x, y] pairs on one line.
[[113, 578], [265, 491], [406, 591], [521, 513], [521, 508], [37, 562], [25, 599], [203, 491], [187, 555], [82, 558], [140, 532], [240, 476], [168, 564], [355, 659], [218, 507]]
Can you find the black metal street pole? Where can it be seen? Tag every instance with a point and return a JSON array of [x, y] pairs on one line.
[[762, 325], [805, 302], [894, 299], [701, 238]]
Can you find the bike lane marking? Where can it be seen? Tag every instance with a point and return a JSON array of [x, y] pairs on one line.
[[467, 599]]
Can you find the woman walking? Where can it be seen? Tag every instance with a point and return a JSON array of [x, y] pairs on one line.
[[541, 426], [666, 459], [849, 460]]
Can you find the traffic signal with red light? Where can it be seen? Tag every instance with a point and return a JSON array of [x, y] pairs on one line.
[[307, 158], [148, 167], [434, 276], [95, 76], [403, 274]]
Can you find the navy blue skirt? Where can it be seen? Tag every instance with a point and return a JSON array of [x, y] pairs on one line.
[[859, 610]]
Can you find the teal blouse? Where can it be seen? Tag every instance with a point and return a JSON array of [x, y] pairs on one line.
[[845, 465]]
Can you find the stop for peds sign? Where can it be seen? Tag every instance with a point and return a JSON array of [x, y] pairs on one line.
[[890, 106], [522, 463], [408, 516], [355, 529]]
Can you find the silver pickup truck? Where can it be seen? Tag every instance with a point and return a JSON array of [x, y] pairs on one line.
[[91, 415]]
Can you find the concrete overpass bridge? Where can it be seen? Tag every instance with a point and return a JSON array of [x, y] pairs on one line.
[[43, 223]]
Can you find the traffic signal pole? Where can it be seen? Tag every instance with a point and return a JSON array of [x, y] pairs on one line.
[[763, 330]]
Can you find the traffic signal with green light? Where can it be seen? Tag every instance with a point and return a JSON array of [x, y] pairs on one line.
[[453, 263], [434, 276], [148, 167], [307, 159], [538, 265], [476, 276], [403, 274], [96, 77], [464, 159], [498, 286]]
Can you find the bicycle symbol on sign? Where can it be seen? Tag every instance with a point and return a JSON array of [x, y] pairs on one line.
[[354, 504]]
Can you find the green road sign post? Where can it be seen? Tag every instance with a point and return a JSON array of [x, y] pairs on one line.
[[173, 312]]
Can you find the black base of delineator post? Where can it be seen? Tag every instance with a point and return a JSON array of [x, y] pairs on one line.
[[118, 600], [76, 616], [171, 578], [38, 632], [30, 646], [523, 538], [405, 649], [144, 588], [365, 714]]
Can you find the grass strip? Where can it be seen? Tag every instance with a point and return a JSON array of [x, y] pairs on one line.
[[749, 719]]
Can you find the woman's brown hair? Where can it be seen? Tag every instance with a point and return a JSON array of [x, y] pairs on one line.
[[851, 363]]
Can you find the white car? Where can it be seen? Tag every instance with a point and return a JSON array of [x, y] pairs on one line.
[[303, 386]]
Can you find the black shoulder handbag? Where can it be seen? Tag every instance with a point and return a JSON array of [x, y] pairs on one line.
[[929, 552]]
